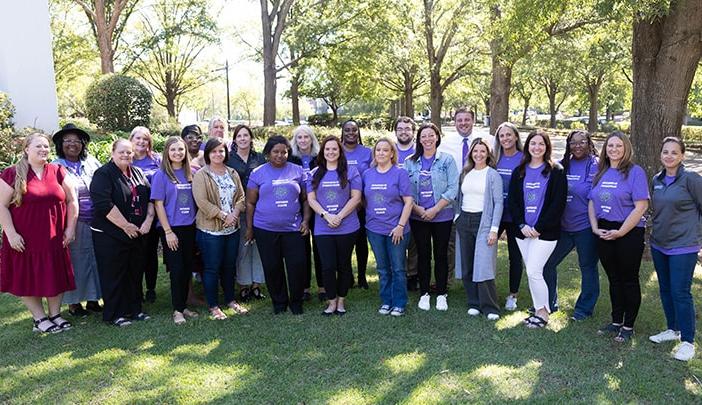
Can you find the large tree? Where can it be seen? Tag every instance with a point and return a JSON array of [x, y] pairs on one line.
[[274, 21], [666, 48], [108, 19], [176, 32]]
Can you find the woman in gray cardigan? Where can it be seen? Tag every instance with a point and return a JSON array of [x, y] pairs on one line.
[[480, 206]]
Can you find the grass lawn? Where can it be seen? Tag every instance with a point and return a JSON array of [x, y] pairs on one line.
[[424, 357]]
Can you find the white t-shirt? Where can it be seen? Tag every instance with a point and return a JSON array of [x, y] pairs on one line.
[[473, 189]]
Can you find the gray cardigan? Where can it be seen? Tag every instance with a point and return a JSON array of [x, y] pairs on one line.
[[677, 210], [485, 262]]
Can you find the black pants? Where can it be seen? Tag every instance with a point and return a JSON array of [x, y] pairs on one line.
[[150, 269], [361, 246], [335, 254], [310, 251], [621, 260], [515, 256], [180, 263], [283, 252], [432, 237], [120, 266], [480, 295]]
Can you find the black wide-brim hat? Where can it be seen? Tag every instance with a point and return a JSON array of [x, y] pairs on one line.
[[70, 129]]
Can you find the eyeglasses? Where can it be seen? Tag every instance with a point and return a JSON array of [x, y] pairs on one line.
[[578, 143], [403, 129], [72, 141]]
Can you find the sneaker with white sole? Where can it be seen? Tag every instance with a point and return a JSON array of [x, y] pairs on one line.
[[424, 302], [397, 311], [685, 351], [384, 310], [667, 335], [473, 312], [441, 304], [493, 317], [511, 303]]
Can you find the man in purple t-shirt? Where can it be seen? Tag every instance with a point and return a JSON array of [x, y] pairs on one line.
[[404, 132]]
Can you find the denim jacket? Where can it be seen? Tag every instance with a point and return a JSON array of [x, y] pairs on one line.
[[444, 177]]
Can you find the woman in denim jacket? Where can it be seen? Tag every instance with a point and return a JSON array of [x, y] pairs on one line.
[[434, 181]]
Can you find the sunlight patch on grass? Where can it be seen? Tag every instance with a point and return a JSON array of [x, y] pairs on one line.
[[613, 382], [196, 350], [693, 386], [511, 320], [406, 362], [348, 396], [146, 345], [510, 382], [147, 364]]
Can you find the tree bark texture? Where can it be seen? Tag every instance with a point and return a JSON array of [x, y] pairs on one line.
[[500, 88]]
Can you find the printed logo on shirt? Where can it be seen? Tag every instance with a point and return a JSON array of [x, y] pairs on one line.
[[352, 161], [605, 196], [504, 172], [280, 193], [330, 195]]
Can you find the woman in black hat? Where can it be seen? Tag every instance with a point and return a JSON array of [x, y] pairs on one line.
[[72, 150]]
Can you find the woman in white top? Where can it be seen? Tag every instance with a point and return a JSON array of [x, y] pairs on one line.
[[480, 202]]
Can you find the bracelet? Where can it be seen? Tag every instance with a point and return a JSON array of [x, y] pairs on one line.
[[400, 225], [168, 231]]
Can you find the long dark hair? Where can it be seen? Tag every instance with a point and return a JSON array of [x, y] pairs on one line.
[[526, 159], [236, 131], [341, 165], [565, 162], [419, 149]]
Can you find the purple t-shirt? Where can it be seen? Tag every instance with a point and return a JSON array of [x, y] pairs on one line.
[[177, 198], [425, 190], [278, 206], [333, 198], [505, 166], [383, 193], [306, 159], [402, 155], [614, 197], [149, 165], [580, 175], [360, 158], [535, 185]]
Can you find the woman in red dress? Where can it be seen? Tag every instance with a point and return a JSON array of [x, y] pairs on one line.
[[38, 213]]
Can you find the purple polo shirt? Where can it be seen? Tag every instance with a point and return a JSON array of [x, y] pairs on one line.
[[278, 206], [333, 198], [580, 175], [505, 167], [383, 193], [360, 158], [613, 196], [177, 198], [535, 185]]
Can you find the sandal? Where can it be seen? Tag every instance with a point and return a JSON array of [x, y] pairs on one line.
[[178, 318], [93, 306], [536, 322], [256, 293], [238, 309], [624, 335], [245, 294], [142, 316], [60, 322], [190, 314], [609, 328], [51, 329], [217, 314], [121, 322]]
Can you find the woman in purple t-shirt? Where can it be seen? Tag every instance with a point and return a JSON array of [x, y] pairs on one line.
[[277, 216], [388, 196], [580, 164], [508, 154], [334, 192], [172, 194], [618, 200], [358, 156], [149, 162], [537, 198], [305, 147]]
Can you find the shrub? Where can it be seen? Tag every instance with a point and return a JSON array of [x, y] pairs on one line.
[[320, 119], [7, 112], [116, 102], [691, 134]]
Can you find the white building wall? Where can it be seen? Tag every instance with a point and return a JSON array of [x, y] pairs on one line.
[[26, 63]]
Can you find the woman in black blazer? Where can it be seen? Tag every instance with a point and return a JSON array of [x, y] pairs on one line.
[[122, 216], [537, 198]]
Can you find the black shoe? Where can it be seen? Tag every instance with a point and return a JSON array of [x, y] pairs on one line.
[[322, 296], [279, 310], [296, 310], [306, 296], [244, 295], [340, 313], [93, 306], [362, 283], [256, 293], [325, 313], [150, 296], [77, 311], [412, 283]]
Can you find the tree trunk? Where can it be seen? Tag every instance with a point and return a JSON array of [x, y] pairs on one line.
[[609, 115], [408, 95], [269, 89], [106, 53], [666, 51], [436, 99], [593, 91], [499, 89], [295, 98], [552, 107], [526, 109], [335, 113]]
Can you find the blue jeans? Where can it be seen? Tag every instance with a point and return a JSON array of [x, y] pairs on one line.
[[586, 245], [219, 253], [390, 263], [674, 280]]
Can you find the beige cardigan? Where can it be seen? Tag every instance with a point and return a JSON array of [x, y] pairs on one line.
[[206, 194]]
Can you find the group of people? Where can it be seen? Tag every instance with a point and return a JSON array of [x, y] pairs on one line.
[[76, 231]]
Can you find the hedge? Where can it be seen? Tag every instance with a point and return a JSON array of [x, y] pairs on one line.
[[116, 102]]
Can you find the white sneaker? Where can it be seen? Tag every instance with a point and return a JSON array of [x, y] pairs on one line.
[[665, 336], [511, 303], [441, 304], [424, 302], [684, 352], [493, 317], [384, 310], [473, 312]]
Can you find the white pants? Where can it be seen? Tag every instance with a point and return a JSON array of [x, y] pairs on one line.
[[535, 253]]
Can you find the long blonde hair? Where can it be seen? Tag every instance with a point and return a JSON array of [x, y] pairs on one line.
[[166, 161], [625, 164], [22, 169]]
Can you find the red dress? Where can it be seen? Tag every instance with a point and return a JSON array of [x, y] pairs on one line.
[[44, 268]]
